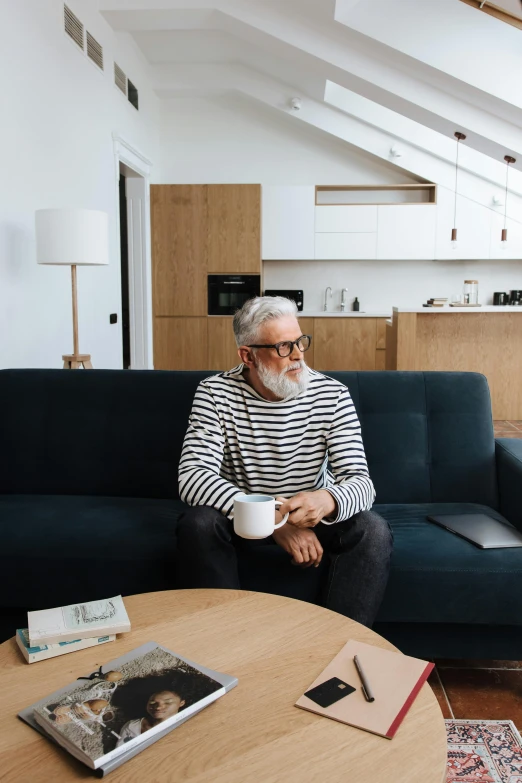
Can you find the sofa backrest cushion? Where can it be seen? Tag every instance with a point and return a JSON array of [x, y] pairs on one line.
[[94, 432], [428, 436]]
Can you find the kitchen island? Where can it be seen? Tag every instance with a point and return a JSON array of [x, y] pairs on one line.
[[484, 339]]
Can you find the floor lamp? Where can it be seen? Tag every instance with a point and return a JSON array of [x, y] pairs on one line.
[[72, 237]]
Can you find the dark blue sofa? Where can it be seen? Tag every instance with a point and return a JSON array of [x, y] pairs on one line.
[[89, 503]]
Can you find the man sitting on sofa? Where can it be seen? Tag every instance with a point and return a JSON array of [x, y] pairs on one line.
[[273, 426]]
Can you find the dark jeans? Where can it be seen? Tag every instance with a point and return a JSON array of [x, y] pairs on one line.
[[358, 550]]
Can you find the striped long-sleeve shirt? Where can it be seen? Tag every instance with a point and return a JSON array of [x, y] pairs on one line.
[[237, 441]]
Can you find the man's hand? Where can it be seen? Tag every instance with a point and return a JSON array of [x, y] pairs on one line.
[[308, 508], [303, 545]]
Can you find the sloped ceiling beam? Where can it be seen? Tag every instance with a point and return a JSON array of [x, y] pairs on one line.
[[366, 67]]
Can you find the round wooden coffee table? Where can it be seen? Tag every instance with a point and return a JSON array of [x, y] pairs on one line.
[[276, 647]]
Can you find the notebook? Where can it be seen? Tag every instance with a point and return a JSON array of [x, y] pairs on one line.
[[395, 680]]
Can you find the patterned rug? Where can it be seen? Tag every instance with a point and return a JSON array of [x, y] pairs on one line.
[[483, 751]]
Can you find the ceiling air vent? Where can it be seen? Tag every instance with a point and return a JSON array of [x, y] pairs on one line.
[[73, 26], [120, 79], [94, 50]]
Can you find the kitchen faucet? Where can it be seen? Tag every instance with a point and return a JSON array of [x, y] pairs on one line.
[[343, 300], [326, 298]]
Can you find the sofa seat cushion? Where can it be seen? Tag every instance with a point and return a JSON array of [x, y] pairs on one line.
[[437, 577], [64, 548]]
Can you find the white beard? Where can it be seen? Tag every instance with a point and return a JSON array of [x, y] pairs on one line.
[[279, 384]]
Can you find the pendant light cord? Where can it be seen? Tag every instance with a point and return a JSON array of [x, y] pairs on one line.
[[506, 194], [460, 137], [456, 180]]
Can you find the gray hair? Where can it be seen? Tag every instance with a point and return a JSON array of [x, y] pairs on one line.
[[258, 311]]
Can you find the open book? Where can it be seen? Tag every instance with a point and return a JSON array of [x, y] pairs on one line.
[[106, 717]]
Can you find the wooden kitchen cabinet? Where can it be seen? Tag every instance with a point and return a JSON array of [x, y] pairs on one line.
[[179, 249], [345, 343], [234, 229], [180, 344], [222, 349], [380, 344], [307, 327]]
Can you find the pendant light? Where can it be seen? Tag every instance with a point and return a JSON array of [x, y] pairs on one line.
[[460, 137], [508, 160]]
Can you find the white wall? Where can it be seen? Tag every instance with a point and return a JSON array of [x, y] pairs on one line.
[[381, 285], [59, 113], [232, 139]]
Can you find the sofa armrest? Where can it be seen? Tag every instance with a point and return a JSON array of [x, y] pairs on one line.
[[509, 475]]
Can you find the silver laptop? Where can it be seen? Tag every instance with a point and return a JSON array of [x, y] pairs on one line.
[[483, 531]]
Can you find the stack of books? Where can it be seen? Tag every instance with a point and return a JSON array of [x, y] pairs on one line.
[[437, 301], [65, 629]]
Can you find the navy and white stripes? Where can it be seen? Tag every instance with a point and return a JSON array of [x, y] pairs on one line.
[[238, 442]]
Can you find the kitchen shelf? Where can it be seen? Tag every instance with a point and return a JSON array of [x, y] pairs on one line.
[[351, 195]]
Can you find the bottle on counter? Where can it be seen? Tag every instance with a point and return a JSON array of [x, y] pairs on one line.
[[471, 292], [355, 305]]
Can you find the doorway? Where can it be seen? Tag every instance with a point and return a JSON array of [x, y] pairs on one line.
[[124, 262], [133, 204]]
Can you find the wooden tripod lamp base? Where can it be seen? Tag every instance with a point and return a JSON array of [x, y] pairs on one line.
[[77, 361]]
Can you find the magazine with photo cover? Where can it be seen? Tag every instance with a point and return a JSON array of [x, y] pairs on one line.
[[106, 717]]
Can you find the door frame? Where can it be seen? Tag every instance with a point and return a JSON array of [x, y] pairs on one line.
[[137, 168]]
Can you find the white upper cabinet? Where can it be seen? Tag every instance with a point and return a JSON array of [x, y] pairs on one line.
[[406, 232], [512, 248], [473, 227], [287, 219], [345, 246], [341, 218]]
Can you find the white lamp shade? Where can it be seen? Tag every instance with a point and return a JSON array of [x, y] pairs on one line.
[[72, 236]]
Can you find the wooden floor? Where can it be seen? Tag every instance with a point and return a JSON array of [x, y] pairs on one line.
[[479, 690], [508, 429]]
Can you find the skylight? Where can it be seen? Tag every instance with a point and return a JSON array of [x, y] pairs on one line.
[[509, 11]]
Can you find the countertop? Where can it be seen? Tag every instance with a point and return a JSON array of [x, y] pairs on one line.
[[448, 309], [339, 314]]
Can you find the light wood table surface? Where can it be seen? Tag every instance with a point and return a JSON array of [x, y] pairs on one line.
[[276, 647]]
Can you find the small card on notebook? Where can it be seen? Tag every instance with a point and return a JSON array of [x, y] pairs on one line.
[[327, 693]]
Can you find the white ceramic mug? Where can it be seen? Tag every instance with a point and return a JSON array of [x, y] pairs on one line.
[[254, 515]]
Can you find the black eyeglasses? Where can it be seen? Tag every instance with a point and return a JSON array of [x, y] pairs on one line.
[[286, 347]]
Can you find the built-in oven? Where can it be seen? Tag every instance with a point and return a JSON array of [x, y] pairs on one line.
[[228, 293]]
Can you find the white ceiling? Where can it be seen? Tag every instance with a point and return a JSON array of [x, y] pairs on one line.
[[420, 65]]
